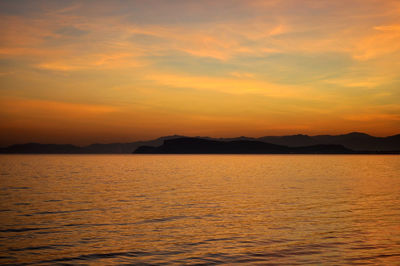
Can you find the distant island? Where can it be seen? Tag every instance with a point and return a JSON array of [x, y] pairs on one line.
[[204, 146], [352, 143]]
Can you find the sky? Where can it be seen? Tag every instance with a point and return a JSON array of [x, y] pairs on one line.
[[86, 72]]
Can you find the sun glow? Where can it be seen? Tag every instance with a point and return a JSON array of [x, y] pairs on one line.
[[86, 72]]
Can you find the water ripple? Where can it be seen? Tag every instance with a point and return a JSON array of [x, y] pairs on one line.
[[199, 210]]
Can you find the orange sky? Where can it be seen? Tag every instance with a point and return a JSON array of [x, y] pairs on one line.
[[101, 71]]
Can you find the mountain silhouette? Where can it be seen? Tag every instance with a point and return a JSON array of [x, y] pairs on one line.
[[361, 141], [354, 141], [42, 148], [123, 148], [110, 148], [205, 146], [291, 141]]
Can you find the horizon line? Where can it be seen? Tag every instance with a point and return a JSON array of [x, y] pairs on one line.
[[198, 136]]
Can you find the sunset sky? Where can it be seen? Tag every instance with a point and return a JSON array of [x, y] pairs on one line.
[[83, 72]]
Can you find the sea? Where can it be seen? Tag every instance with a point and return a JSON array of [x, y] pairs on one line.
[[199, 209]]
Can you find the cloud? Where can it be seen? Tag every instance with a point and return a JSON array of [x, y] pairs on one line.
[[245, 85], [280, 32], [384, 40], [266, 62], [361, 82], [94, 62], [242, 74], [7, 73], [70, 31], [373, 117], [43, 108]]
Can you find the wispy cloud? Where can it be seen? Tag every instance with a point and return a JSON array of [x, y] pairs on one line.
[[266, 63]]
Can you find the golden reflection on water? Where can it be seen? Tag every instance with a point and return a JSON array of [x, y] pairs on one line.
[[110, 209]]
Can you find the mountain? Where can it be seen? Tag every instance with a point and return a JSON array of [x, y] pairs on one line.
[[42, 148], [111, 148], [123, 148], [206, 146], [354, 141], [361, 141], [291, 141]]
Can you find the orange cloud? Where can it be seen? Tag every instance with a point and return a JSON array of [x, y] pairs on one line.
[[43, 108], [245, 85], [385, 40], [154, 75], [373, 117]]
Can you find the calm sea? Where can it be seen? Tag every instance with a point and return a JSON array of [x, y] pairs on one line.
[[200, 209]]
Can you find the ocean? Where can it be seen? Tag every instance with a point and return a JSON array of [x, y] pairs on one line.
[[200, 209]]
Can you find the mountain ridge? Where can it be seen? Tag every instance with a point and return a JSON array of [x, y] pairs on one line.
[[205, 146], [356, 141]]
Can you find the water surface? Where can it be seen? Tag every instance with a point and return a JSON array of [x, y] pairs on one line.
[[200, 209]]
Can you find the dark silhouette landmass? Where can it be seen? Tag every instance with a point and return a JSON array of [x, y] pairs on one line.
[[123, 148], [356, 141], [204, 146], [360, 142], [110, 148], [41, 148]]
